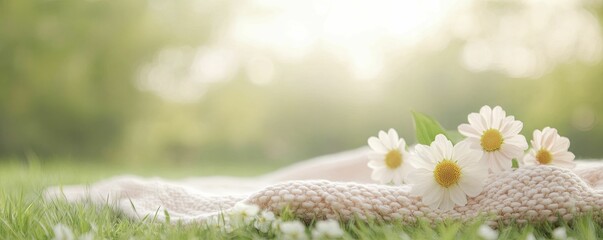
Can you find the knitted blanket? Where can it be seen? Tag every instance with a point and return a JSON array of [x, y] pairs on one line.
[[338, 187]]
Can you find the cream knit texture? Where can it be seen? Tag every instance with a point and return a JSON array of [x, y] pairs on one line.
[[319, 189]]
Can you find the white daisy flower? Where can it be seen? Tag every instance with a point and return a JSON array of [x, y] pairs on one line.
[[244, 213], [293, 230], [264, 221], [389, 160], [548, 148], [487, 233], [447, 174], [327, 229], [497, 135]]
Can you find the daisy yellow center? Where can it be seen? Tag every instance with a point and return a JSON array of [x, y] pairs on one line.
[[447, 173], [544, 157], [393, 159], [491, 140]]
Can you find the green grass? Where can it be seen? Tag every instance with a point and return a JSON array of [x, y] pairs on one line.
[[24, 214]]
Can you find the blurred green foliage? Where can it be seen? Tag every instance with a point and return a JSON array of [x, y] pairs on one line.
[[66, 70], [67, 88]]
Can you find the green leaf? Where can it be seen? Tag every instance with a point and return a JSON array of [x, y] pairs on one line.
[[426, 128], [515, 163]]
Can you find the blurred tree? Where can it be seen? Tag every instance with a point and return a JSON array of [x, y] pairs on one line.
[[66, 70], [70, 81]]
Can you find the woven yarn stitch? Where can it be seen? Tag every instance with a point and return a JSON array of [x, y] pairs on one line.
[[532, 193]]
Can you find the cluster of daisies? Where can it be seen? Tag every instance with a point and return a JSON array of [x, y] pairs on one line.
[[443, 174], [242, 215]]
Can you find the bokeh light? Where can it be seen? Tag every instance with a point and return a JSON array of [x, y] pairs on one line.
[[266, 81]]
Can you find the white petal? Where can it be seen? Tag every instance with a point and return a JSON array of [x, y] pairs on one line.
[[397, 178], [422, 182], [469, 131], [475, 143], [518, 141], [476, 122], [564, 156], [402, 145], [562, 144], [378, 173], [548, 138], [423, 158], [471, 185], [465, 155], [388, 176], [434, 195], [508, 152], [441, 148], [486, 113], [537, 139], [565, 164], [494, 163], [374, 164], [448, 149], [535, 144], [503, 161], [376, 156], [511, 129], [498, 115], [420, 177], [446, 203], [385, 140], [393, 137], [377, 145], [457, 195], [506, 125]]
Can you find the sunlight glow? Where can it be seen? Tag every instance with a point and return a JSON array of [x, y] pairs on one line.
[[356, 31], [521, 39]]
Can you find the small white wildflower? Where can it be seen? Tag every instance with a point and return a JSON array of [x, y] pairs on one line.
[[62, 232], [328, 229], [244, 212], [263, 222], [389, 160], [559, 233], [293, 230], [530, 236], [487, 233], [549, 148]]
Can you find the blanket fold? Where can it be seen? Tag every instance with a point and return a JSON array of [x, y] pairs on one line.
[[319, 189]]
